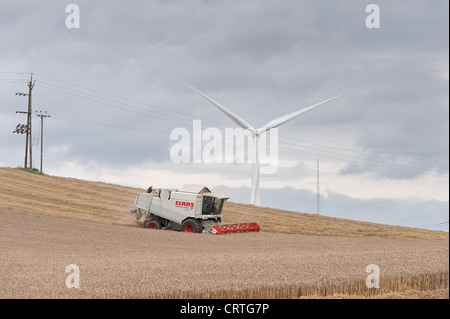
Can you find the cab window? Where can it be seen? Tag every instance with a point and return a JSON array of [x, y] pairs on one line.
[[212, 206]]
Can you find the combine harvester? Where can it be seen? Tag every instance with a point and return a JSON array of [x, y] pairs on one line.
[[191, 209]]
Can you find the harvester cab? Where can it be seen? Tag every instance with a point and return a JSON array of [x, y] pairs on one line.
[[192, 208]]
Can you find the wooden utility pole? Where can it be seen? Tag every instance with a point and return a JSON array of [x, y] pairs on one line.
[[30, 141], [42, 115], [27, 128]]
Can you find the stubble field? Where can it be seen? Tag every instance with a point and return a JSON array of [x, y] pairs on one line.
[[47, 223]]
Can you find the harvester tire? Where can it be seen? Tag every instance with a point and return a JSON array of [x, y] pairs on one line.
[[154, 224], [191, 226]]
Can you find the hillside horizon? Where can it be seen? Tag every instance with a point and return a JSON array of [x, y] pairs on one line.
[[109, 203]]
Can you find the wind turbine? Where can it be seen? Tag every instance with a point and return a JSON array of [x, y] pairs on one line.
[[256, 132]]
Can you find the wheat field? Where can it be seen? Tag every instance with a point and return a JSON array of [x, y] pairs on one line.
[[48, 222], [108, 203]]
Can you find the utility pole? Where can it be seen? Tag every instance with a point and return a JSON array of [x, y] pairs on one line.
[[42, 115], [318, 189], [28, 142]]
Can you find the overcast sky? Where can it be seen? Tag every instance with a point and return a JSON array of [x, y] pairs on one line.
[[112, 91]]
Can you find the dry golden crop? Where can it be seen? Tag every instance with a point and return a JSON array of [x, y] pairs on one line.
[[109, 203], [291, 258], [131, 262]]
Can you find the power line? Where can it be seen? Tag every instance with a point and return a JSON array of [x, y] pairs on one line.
[[363, 162], [437, 224], [166, 132], [100, 99], [364, 152], [10, 80], [109, 125], [116, 106], [183, 114], [123, 98], [378, 159]]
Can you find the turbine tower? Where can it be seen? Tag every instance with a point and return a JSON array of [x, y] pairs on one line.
[[256, 133]]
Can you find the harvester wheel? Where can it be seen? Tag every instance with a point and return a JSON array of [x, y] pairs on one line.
[[191, 226], [154, 224]]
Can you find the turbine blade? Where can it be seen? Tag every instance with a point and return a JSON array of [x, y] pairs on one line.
[[290, 116], [235, 118]]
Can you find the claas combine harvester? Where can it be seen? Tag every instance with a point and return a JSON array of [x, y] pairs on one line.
[[191, 209]]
